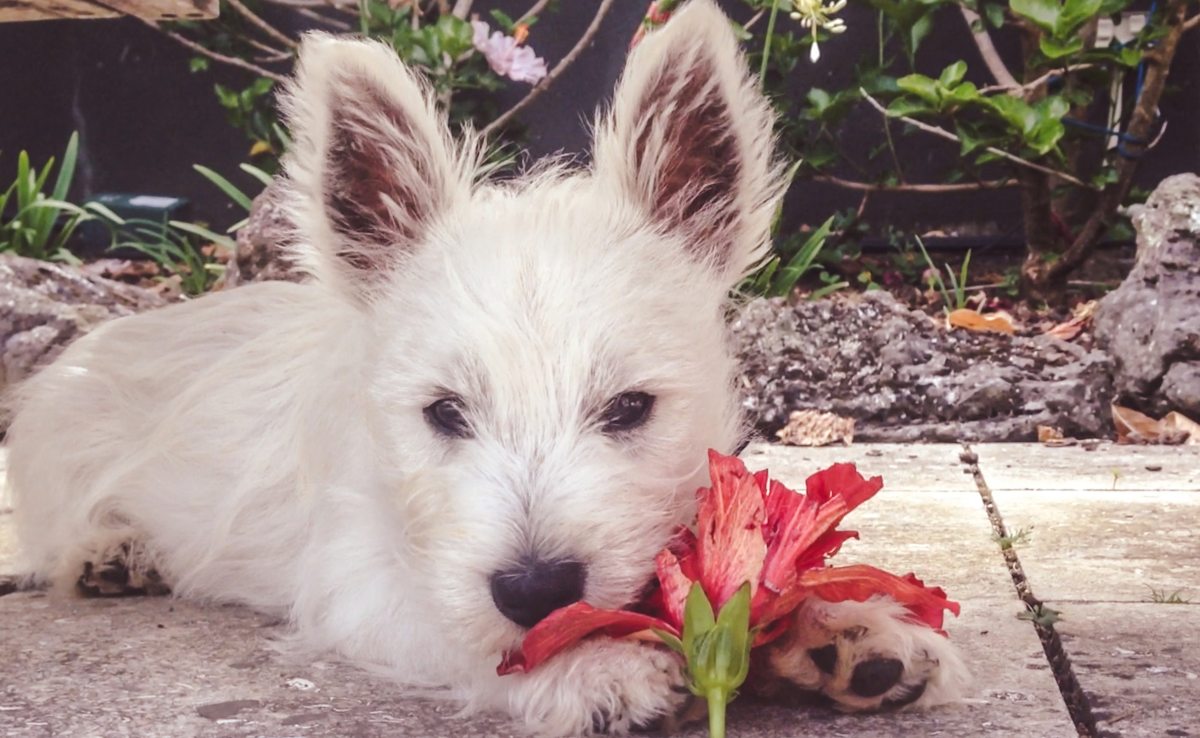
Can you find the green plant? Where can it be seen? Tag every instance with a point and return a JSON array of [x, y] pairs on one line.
[[176, 250], [1020, 537], [1161, 597], [780, 274], [1036, 133], [40, 225], [954, 297], [1041, 615]]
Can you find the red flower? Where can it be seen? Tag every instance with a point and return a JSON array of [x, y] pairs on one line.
[[749, 528]]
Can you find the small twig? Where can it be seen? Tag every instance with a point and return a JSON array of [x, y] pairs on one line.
[[535, 9], [1036, 83], [1191, 23], [261, 24], [273, 54], [232, 61], [753, 20], [462, 8], [566, 61], [325, 20], [943, 133], [987, 50], [868, 187]]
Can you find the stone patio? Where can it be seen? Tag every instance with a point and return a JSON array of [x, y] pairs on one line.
[[1103, 536]]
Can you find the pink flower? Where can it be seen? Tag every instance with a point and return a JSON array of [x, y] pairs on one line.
[[506, 56]]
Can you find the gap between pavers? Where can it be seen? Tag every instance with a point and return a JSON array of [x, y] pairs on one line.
[[157, 667], [1099, 556]]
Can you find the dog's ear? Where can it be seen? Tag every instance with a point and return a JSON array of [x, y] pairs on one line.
[[372, 165], [690, 137]]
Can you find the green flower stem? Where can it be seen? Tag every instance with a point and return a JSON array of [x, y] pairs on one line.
[[766, 58], [717, 700]]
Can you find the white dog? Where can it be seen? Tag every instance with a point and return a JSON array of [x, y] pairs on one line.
[[491, 400]]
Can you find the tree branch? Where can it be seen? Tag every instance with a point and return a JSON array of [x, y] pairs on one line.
[[869, 187], [535, 9], [943, 133], [987, 50], [1191, 23], [232, 61], [588, 35], [261, 24], [1021, 89]]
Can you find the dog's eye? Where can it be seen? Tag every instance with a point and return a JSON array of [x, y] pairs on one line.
[[448, 417], [627, 411]]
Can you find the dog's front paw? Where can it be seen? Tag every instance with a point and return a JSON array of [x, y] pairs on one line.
[[866, 656], [603, 686]]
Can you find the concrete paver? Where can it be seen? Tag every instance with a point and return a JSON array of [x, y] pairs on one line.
[[1109, 466], [1139, 663], [158, 667]]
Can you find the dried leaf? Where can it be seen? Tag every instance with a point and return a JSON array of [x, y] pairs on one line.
[[815, 428], [1051, 436], [973, 320], [1135, 427], [1081, 318]]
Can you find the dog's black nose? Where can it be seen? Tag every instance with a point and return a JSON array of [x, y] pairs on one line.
[[530, 592]]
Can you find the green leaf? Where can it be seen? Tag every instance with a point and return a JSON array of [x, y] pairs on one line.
[[1042, 13], [994, 12], [1053, 49], [198, 64], [504, 20], [923, 87], [918, 32], [670, 641], [231, 191], [953, 74], [908, 106]]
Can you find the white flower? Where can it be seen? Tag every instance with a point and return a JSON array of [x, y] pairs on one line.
[[816, 14]]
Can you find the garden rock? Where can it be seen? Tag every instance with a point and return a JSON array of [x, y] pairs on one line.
[[44, 306], [262, 242], [903, 376], [1151, 323]]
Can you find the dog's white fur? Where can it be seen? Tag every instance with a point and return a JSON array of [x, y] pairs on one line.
[[268, 445]]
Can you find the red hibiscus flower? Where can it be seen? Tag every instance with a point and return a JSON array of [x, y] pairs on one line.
[[749, 528]]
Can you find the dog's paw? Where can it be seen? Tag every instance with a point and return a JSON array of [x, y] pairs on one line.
[[604, 687], [121, 570], [865, 656]]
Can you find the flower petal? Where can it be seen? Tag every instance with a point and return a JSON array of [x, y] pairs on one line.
[[567, 626], [860, 582], [845, 481], [730, 548]]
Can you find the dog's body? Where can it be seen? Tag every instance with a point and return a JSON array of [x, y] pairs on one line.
[[485, 388]]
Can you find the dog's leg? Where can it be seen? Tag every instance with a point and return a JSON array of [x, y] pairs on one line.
[[602, 686], [866, 656], [119, 568]]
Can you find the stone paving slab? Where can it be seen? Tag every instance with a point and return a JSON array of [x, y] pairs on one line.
[[903, 466], [1110, 466], [1138, 663], [1104, 545], [158, 667], [151, 667]]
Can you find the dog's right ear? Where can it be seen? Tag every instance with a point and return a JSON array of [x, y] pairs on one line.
[[371, 167]]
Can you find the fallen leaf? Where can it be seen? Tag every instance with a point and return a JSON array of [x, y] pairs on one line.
[[1173, 429], [1081, 317], [973, 320], [1050, 436], [815, 428]]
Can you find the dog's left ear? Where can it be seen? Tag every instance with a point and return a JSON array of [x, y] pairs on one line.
[[372, 165], [690, 137]]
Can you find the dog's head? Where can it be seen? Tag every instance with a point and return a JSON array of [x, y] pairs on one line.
[[549, 359]]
